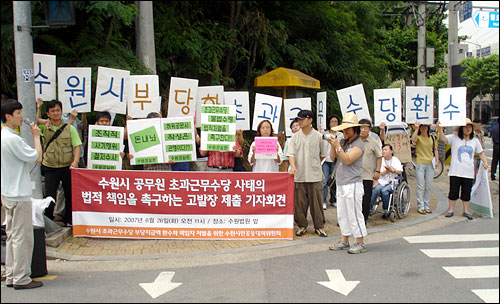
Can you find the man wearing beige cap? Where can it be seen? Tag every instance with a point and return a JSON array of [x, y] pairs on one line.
[[461, 173]]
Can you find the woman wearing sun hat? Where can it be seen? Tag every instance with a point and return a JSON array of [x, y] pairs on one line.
[[349, 177], [461, 173]]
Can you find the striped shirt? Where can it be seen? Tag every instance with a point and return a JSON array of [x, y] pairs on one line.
[[222, 158]]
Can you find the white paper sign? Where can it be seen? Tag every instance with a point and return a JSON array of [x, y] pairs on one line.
[[218, 127], [73, 87], [104, 147], [321, 115], [144, 141], [242, 102], [292, 107], [111, 90], [182, 97], [267, 107], [178, 139], [387, 106], [353, 99], [452, 106], [420, 105], [211, 95], [480, 199], [44, 70], [143, 95]]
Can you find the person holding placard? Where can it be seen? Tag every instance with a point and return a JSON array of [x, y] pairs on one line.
[[426, 148], [265, 129], [461, 172], [349, 153], [328, 164], [306, 151], [222, 160]]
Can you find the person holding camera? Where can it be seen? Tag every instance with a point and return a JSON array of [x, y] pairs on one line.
[[328, 165]]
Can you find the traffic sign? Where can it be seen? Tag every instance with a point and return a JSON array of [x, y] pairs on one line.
[[485, 19], [465, 10]]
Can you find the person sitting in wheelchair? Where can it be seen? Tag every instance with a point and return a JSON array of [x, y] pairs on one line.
[[391, 167]]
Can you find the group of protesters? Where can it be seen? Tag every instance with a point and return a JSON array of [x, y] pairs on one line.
[[363, 167]]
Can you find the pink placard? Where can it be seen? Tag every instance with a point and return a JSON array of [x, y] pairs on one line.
[[265, 147]]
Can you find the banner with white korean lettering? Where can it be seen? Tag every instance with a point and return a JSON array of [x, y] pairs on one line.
[[292, 107], [210, 95], [387, 106], [218, 128], [182, 205], [241, 100], [452, 106], [143, 95], [321, 110], [420, 105], [104, 147], [267, 107], [111, 90], [44, 71], [178, 139], [73, 89], [353, 99]]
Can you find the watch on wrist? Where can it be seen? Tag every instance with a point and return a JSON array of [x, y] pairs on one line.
[[338, 149]]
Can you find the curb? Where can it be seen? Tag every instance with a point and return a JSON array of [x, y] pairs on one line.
[[440, 209]]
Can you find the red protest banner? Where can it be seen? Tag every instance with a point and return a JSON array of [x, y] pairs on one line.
[[182, 205]]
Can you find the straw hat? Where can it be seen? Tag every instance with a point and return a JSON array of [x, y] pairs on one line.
[[475, 126], [350, 120]]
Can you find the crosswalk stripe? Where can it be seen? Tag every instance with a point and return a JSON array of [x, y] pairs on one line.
[[461, 252], [487, 295], [447, 238], [473, 272]]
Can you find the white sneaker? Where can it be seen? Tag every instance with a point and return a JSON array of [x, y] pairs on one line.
[[324, 206]]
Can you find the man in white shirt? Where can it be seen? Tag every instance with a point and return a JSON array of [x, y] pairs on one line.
[[18, 158], [391, 167]]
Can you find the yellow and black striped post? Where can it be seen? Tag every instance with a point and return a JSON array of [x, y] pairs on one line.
[[447, 154]]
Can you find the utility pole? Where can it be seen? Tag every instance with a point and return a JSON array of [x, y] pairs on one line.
[[23, 47], [144, 35], [421, 73], [452, 36]]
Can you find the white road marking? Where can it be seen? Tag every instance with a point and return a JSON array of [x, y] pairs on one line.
[[461, 252], [487, 295], [162, 284], [473, 272], [338, 283], [447, 238]]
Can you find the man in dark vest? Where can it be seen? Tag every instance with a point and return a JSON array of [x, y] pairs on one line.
[[61, 151]]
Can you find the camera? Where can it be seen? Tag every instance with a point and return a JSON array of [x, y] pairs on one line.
[[328, 136]]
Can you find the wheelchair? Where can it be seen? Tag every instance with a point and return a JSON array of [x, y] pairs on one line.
[[399, 200]]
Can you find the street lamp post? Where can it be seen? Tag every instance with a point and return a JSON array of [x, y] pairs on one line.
[[480, 90]]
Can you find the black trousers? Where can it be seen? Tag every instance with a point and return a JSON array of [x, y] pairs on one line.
[[367, 187], [494, 160], [53, 176]]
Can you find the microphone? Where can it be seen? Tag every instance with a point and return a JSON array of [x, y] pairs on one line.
[[27, 121]]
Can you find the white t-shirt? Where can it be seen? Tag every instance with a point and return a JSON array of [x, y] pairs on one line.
[[265, 165], [462, 155], [389, 177]]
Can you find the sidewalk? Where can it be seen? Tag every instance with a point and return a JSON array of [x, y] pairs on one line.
[[83, 248]]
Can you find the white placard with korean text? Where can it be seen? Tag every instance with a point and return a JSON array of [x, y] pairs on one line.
[[267, 107], [104, 146], [292, 107], [353, 99], [143, 95], [321, 115], [420, 105], [452, 106], [111, 90], [387, 106], [178, 139], [218, 127], [73, 87], [211, 95], [44, 74], [144, 141], [182, 97], [241, 100]]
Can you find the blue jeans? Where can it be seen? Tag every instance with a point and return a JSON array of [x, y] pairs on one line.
[[385, 191], [425, 175], [327, 171]]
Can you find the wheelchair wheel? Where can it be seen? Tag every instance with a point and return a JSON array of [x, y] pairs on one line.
[[373, 210], [402, 199]]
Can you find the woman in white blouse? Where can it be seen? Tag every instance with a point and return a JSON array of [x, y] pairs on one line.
[[265, 129]]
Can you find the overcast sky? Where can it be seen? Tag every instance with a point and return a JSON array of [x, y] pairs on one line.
[[482, 36]]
